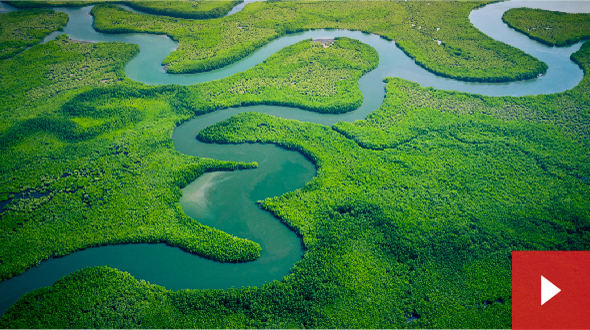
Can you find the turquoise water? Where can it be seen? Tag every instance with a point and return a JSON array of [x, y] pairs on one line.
[[562, 75], [241, 6], [279, 170], [4, 8]]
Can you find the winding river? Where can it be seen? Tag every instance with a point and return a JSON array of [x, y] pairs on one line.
[[211, 199]]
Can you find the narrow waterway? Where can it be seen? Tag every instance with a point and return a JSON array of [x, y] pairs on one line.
[[227, 200]]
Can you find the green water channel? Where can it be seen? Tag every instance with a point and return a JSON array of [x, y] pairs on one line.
[[227, 200]]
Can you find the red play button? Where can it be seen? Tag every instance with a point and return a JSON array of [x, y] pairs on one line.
[[551, 289]]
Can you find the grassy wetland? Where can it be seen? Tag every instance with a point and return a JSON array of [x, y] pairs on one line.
[[409, 223], [194, 9], [463, 53], [22, 29], [549, 27]]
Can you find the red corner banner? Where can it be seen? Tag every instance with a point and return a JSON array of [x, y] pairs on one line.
[[551, 290]]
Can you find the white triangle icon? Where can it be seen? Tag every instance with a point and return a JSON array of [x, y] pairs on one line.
[[548, 290]]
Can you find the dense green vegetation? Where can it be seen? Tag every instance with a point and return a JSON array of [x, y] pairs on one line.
[[549, 27], [419, 227], [569, 110], [306, 75], [195, 9], [94, 148], [464, 53], [56, 3], [94, 151], [51, 3], [22, 29], [186, 9], [53, 69]]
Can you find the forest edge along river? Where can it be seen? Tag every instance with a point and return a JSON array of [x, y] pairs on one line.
[[279, 170]]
